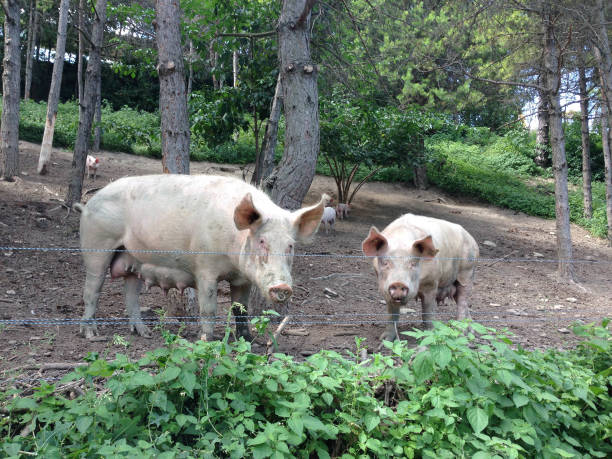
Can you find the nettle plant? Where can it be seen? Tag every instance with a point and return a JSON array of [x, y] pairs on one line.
[[465, 391]]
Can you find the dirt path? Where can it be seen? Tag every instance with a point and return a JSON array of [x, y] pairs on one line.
[[521, 292]]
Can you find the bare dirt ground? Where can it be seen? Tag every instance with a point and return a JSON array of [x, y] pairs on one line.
[[520, 292]]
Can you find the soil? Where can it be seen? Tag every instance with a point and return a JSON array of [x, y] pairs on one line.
[[335, 292]]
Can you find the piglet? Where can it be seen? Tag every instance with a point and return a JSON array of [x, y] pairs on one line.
[[328, 219], [342, 210], [92, 166]]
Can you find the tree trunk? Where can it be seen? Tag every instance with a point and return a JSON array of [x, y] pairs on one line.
[[32, 31], [9, 130], [172, 100], [81, 50], [264, 163], [98, 119], [88, 104], [552, 67], [291, 179], [542, 157], [190, 60], [420, 167], [212, 56], [606, 132], [54, 92], [586, 145], [603, 56], [235, 67]]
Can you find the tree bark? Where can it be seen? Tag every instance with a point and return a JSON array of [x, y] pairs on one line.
[[9, 130], [587, 197], [552, 65], [88, 104], [542, 157], [290, 180], [172, 100], [420, 167], [264, 163], [54, 92], [606, 132], [81, 50], [235, 68], [32, 32], [212, 56], [603, 56], [98, 118], [190, 60]]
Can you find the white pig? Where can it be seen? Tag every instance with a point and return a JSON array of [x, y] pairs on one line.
[[329, 218], [149, 225], [422, 257], [92, 166], [342, 210]]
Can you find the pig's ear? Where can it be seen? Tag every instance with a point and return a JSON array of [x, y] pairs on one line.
[[308, 219], [375, 244], [425, 247], [246, 215]]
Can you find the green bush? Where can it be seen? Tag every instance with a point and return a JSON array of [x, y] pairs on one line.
[[460, 396]]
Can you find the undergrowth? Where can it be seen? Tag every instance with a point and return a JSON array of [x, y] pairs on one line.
[[466, 392]]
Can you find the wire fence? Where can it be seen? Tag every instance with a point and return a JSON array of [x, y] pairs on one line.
[[531, 259]]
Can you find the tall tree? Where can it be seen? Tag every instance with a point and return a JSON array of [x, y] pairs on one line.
[[172, 99], [88, 104], [290, 180], [587, 196], [606, 142], [54, 91], [9, 130], [552, 69], [30, 47]]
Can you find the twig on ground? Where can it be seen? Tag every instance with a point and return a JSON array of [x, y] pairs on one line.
[[296, 332], [500, 259], [276, 334], [337, 275]]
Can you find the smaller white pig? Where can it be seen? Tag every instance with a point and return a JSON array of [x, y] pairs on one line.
[[342, 210], [92, 166], [424, 258], [328, 219]]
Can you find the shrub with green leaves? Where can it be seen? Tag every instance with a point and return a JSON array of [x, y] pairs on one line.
[[456, 395]]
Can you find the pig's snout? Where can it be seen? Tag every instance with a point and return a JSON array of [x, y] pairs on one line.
[[398, 292], [280, 292]]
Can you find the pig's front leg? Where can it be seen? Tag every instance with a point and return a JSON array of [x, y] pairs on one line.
[[428, 299], [132, 288], [207, 299], [240, 294], [462, 296], [390, 333], [91, 293]]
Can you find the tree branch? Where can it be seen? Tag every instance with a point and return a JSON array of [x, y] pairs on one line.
[[307, 8], [248, 35]]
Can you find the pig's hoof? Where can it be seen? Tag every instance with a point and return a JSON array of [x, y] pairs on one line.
[[88, 331], [141, 329], [388, 336], [244, 332]]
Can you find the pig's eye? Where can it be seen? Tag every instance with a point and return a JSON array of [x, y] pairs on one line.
[[262, 241], [384, 263]]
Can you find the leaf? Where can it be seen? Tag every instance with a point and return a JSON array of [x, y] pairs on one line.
[[371, 421], [563, 453], [327, 398], [83, 423], [25, 404], [169, 374], [188, 381], [519, 399], [141, 378], [271, 385], [441, 355], [313, 424], [423, 366], [295, 424], [477, 418]]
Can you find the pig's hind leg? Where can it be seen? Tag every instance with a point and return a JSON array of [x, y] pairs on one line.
[[462, 296], [96, 264], [132, 288]]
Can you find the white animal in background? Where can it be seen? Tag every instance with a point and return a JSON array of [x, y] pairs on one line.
[[180, 231], [342, 210], [329, 218], [92, 166], [421, 257]]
